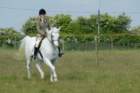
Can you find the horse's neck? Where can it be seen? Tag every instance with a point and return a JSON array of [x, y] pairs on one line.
[[47, 41]]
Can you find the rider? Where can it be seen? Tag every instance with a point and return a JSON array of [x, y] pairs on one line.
[[43, 27]]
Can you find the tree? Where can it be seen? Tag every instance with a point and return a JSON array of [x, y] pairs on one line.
[[82, 21], [29, 28], [63, 21], [111, 24], [122, 23], [9, 36]]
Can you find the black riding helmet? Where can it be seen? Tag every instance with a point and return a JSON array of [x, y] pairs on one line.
[[42, 12]]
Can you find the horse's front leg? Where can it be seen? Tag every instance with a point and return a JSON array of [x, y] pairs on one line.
[[39, 68], [53, 77], [28, 67]]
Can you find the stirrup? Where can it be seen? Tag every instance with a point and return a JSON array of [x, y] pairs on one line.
[[60, 54]]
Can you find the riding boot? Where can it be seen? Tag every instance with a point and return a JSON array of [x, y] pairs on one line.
[[36, 49], [60, 52]]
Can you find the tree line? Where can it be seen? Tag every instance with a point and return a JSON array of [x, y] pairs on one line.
[[115, 29]]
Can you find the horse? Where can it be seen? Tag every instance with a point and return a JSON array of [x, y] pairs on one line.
[[49, 53]]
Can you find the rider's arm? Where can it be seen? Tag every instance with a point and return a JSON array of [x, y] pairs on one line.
[[48, 24]]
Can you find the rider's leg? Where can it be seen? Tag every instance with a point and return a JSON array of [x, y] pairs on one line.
[[36, 49]]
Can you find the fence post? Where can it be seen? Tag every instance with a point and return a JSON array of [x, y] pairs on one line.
[[97, 49]]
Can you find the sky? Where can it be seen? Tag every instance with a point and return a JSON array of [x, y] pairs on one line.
[[14, 13]]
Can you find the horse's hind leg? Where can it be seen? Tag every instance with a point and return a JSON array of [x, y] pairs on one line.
[[38, 66], [53, 77], [28, 66]]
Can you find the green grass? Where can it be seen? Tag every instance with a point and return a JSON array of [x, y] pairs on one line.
[[118, 72]]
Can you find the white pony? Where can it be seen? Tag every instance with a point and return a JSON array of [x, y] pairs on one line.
[[48, 50]]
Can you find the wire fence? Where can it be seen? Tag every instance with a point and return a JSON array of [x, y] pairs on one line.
[[87, 46]]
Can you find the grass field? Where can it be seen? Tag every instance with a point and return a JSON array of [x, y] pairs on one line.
[[118, 72]]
